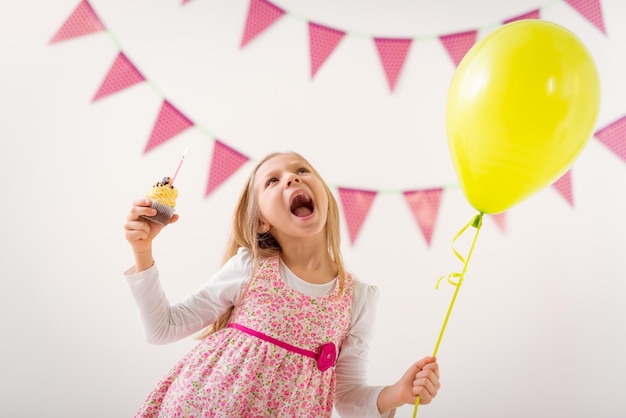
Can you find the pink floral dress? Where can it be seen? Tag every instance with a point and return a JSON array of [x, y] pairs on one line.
[[234, 374]]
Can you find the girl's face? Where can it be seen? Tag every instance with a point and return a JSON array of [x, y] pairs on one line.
[[291, 198]]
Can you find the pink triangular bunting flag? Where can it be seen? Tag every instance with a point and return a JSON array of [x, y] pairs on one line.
[[82, 21], [614, 137], [121, 75], [224, 163], [356, 205], [564, 186], [323, 41], [392, 53], [500, 220], [169, 123], [530, 15], [424, 205], [261, 15], [590, 10], [458, 44]]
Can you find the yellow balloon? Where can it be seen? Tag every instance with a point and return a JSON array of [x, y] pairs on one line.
[[521, 106]]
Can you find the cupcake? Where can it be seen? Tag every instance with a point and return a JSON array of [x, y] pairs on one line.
[[163, 197]]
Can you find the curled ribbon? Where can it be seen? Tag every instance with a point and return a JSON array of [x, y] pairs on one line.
[[450, 277], [456, 280]]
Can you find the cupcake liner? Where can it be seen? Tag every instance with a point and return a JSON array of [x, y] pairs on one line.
[[163, 215]]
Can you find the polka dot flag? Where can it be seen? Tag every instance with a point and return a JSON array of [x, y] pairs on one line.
[[356, 203]]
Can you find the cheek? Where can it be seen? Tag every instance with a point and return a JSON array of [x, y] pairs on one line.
[[263, 209], [269, 205], [322, 204]]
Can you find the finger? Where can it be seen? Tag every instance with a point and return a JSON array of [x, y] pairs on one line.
[[138, 211], [138, 226], [430, 375], [136, 235], [434, 367], [420, 364], [425, 398], [425, 389], [427, 376], [142, 202]]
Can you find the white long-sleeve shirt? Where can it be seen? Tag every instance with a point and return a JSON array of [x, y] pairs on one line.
[[165, 323]]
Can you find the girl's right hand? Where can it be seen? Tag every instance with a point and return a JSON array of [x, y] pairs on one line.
[[139, 231]]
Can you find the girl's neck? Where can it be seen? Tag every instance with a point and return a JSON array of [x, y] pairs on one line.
[[311, 266]]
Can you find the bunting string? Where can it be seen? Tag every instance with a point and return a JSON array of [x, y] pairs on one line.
[[591, 10], [393, 51], [356, 203]]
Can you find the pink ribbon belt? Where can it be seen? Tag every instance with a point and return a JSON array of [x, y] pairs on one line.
[[325, 356]]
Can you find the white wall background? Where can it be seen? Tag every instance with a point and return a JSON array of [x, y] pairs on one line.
[[538, 329]]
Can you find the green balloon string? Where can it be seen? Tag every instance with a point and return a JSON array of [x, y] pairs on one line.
[[456, 280]]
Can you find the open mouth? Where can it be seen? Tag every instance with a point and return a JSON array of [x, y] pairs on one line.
[[302, 205]]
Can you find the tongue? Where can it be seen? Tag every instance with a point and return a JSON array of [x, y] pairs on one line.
[[302, 211]]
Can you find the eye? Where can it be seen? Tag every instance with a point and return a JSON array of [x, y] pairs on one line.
[[270, 181], [303, 170]]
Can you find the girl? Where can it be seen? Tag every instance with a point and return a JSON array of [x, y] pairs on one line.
[[289, 326]]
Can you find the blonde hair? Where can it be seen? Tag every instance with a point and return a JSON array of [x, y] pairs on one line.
[[244, 232]]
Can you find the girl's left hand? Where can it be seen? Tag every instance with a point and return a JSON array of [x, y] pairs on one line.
[[421, 379]]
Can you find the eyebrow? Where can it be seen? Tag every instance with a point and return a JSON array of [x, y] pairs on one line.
[[292, 165]]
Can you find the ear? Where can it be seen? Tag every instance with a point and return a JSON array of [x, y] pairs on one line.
[[263, 228]]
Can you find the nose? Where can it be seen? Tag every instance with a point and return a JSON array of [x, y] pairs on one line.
[[293, 179]]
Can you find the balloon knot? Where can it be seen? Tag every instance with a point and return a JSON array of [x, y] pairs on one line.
[[477, 222]]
